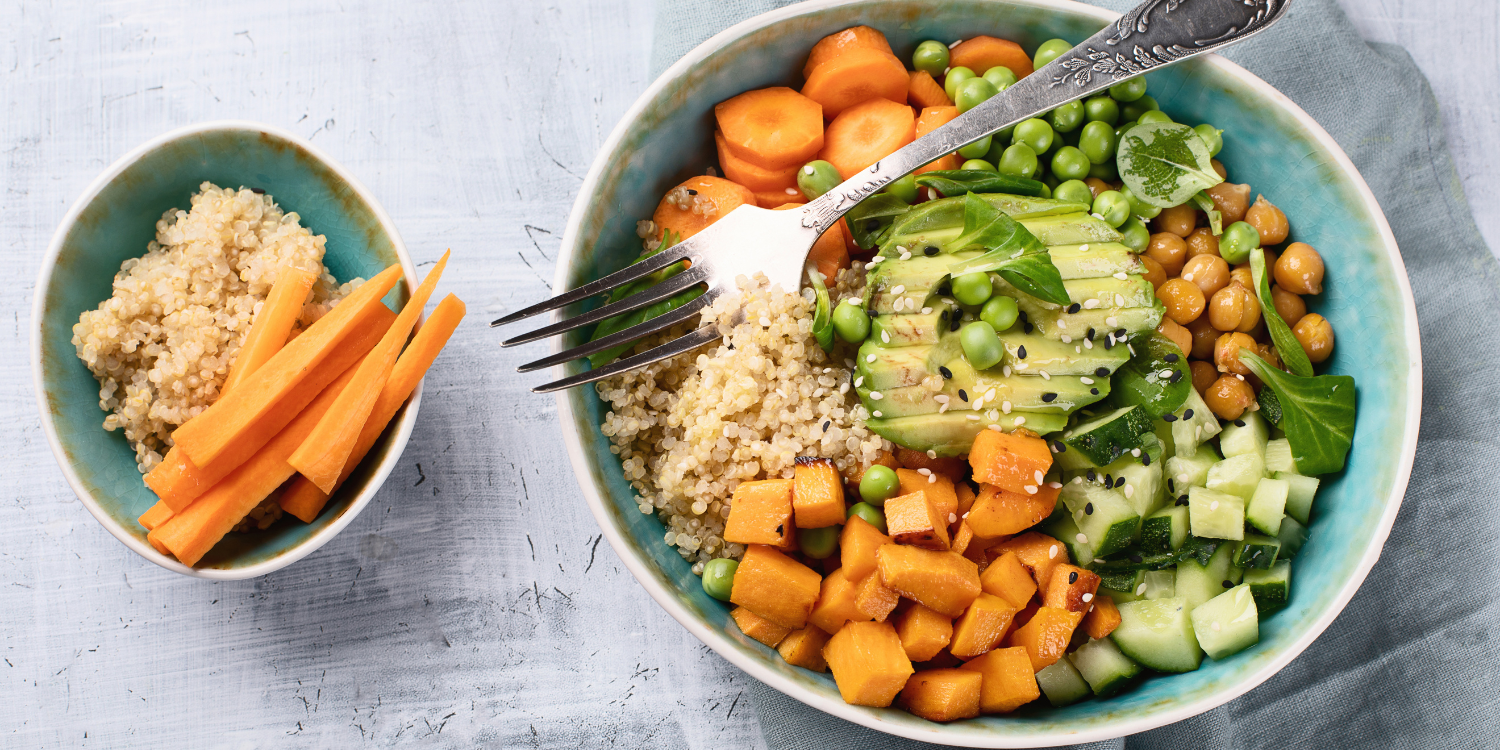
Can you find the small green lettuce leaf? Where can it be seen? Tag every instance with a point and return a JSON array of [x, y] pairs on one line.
[[822, 326], [871, 217], [1317, 415], [1164, 163], [1205, 204], [951, 182], [1012, 251], [1287, 346]]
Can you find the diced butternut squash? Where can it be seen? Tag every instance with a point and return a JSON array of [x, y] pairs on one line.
[[1010, 460], [911, 519], [838, 602], [884, 458], [1000, 512], [758, 627], [1021, 618], [963, 535], [943, 694], [952, 468], [1009, 579], [775, 586], [868, 663], [857, 545], [837, 43], [1038, 552], [1103, 618], [818, 494], [761, 513], [982, 626], [874, 600], [1009, 680], [974, 549], [804, 648], [965, 496], [940, 581], [939, 489], [1071, 588], [930, 119], [923, 92], [1045, 637], [923, 632], [980, 53]]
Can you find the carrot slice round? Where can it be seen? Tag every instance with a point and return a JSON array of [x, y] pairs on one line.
[[703, 201], [858, 75], [933, 118], [867, 133], [775, 128], [923, 92], [984, 52], [754, 176], [837, 43]]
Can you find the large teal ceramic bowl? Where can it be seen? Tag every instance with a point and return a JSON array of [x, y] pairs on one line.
[[1271, 144], [112, 221]]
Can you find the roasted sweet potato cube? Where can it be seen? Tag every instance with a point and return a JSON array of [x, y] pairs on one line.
[[758, 627], [1024, 616], [923, 632], [911, 519], [963, 536], [999, 512], [1009, 579], [1009, 680], [982, 626], [868, 663], [761, 513], [1038, 552], [873, 600], [1012, 461], [1045, 637], [943, 694], [775, 586], [804, 648], [857, 544], [952, 468], [857, 471], [940, 581], [836, 603], [817, 494], [965, 496], [938, 488], [1071, 588], [1103, 618]]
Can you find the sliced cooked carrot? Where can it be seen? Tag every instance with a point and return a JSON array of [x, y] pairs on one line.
[[204, 437], [837, 43], [178, 482], [779, 198], [751, 175], [924, 92], [867, 133], [829, 255], [708, 199], [156, 516], [302, 498], [981, 53], [856, 76], [272, 324], [774, 128], [933, 118]]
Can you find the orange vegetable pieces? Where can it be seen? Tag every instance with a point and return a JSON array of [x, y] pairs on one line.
[[774, 128], [857, 545], [873, 600], [761, 513], [962, 538], [982, 626], [1102, 619], [1007, 578], [923, 632], [940, 581], [1009, 680], [838, 602], [981, 53], [931, 119], [835, 44], [786, 198], [830, 254], [883, 458], [869, 666], [817, 494], [965, 496], [804, 648], [758, 627], [1045, 637], [858, 76], [155, 516], [943, 694], [911, 519], [1071, 588], [1000, 512], [1038, 552], [938, 488], [775, 586], [698, 202], [1011, 461], [866, 133], [756, 177], [922, 91], [955, 469], [273, 324]]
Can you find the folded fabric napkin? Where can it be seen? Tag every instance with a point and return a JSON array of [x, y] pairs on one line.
[[1414, 660]]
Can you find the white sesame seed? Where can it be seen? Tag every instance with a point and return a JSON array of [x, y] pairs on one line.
[[1241, 377], [1213, 505], [932, 479], [1111, 320], [1087, 597], [791, 191], [972, 417], [926, 311], [875, 396], [1198, 432], [898, 289], [1165, 373], [925, 472], [1055, 485], [1129, 490], [932, 454], [1141, 589], [1135, 452], [905, 256], [995, 427], [1077, 480], [1052, 552], [993, 415], [1086, 381], [1082, 538], [808, 170], [941, 398], [1119, 300], [1088, 344], [1187, 276], [1077, 350], [859, 381], [1022, 366], [1005, 406], [1121, 275], [1066, 339], [1090, 304], [1039, 477], [1030, 489], [1020, 421], [942, 408], [1062, 324], [1216, 626], [876, 413], [989, 395], [1131, 348], [955, 43], [1097, 216], [1006, 370], [885, 337], [874, 261], [1083, 248], [1044, 375], [952, 518]]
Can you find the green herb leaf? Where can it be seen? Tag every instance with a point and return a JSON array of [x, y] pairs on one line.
[[1139, 381], [1287, 346], [1193, 548], [822, 326], [1164, 163], [1317, 415], [1270, 406], [1205, 204], [871, 217], [621, 322], [951, 182], [1012, 251]]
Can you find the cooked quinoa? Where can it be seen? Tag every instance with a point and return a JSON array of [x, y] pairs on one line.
[[690, 429]]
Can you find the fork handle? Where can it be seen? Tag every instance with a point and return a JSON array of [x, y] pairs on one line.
[[1153, 34]]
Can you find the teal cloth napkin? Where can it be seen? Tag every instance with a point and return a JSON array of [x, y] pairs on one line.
[[1414, 660]]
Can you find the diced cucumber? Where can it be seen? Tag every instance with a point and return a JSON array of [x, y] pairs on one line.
[[1237, 475], [1189, 471], [1252, 438], [1142, 484], [1292, 536], [1198, 582], [1216, 515], [1279, 456], [1256, 551], [1227, 623], [1062, 684], [1189, 432], [1105, 520], [1272, 588], [1161, 584], [1106, 669], [1268, 505], [1123, 587], [1159, 634], [1104, 439], [1163, 433], [1165, 530], [1063, 529], [1299, 495]]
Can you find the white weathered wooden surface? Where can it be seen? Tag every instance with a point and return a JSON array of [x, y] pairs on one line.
[[473, 601]]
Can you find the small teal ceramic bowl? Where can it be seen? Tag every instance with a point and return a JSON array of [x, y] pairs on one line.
[[1271, 144], [112, 221]]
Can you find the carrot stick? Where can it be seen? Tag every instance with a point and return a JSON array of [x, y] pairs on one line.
[[272, 324], [178, 482], [156, 516], [322, 456], [302, 498], [866, 133], [206, 436]]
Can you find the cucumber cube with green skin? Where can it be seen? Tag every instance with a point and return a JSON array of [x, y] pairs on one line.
[[1279, 457], [1216, 515], [1158, 634], [1182, 472], [1161, 584], [1063, 529], [1272, 588], [1268, 505], [1165, 530], [1106, 438], [1123, 587], [1299, 495], [1198, 582], [1142, 484], [1252, 438], [1190, 432], [1106, 522], [1228, 623], [1256, 551], [1292, 536], [1062, 684], [1104, 667], [1237, 475]]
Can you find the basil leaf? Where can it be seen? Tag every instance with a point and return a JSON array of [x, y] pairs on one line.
[[873, 216], [1164, 163], [1287, 346], [1012, 251], [1205, 204], [621, 322], [951, 182], [1139, 381], [1317, 415], [822, 326]]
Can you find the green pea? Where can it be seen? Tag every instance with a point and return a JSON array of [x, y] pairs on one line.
[[980, 164], [878, 485], [1139, 207], [981, 345], [1113, 206], [1000, 312], [1101, 109], [1155, 115], [1001, 76], [1137, 236], [1074, 191], [1105, 171], [1097, 142], [977, 149], [1069, 163], [1129, 91], [1035, 133], [931, 56], [955, 77], [1212, 137], [972, 93], [718, 577], [819, 544], [1018, 160], [1050, 50], [869, 513], [851, 323], [816, 178], [1067, 118], [1238, 240], [973, 288], [904, 188], [1135, 109], [1046, 189]]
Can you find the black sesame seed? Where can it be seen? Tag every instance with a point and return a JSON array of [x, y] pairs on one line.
[[1239, 423], [1049, 397], [1170, 358], [695, 192], [1090, 474], [930, 250], [779, 527], [1145, 459], [1075, 307], [1187, 414], [1027, 327], [827, 424], [1090, 337], [1021, 351], [1176, 376], [963, 396], [1088, 510], [1135, 558], [1122, 334], [1061, 446], [1171, 486], [1102, 372], [1228, 584], [956, 322], [1109, 343], [872, 225], [1182, 500], [1072, 576], [1108, 481], [1169, 418], [258, 191], [1093, 391], [1022, 316], [945, 289], [945, 372]]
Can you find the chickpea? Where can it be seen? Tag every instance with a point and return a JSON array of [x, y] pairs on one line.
[[1154, 272], [1169, 250], [1179, 335], [1268, 353], [1229, 306], [1204, 375], [1250, 319], [1315, 334], [1299, 270], [1289, 306], [1231, 200], [1227, 352], [1179, 220], [1202, 242], [1243, 276], [1219, 168], [1269, 221], [1184, 300], [1204, 338], [1097, 186], [1209, 272], [1228, 397]]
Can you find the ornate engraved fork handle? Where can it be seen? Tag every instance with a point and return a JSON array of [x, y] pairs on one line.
[[1153, 34]]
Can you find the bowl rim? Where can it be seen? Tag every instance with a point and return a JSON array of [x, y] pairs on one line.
[[404, 424], [720, 642]]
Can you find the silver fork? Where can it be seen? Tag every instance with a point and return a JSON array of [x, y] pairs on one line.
[[750, 240]]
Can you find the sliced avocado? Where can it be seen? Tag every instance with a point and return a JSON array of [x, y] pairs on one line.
[[895, 367], [1070, 229], [1094, 293], [1095, 259], [952, 433], [908, 329], [938, 222], [1059, 395], [1135, 320], [1056, 358], [917, 277]]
